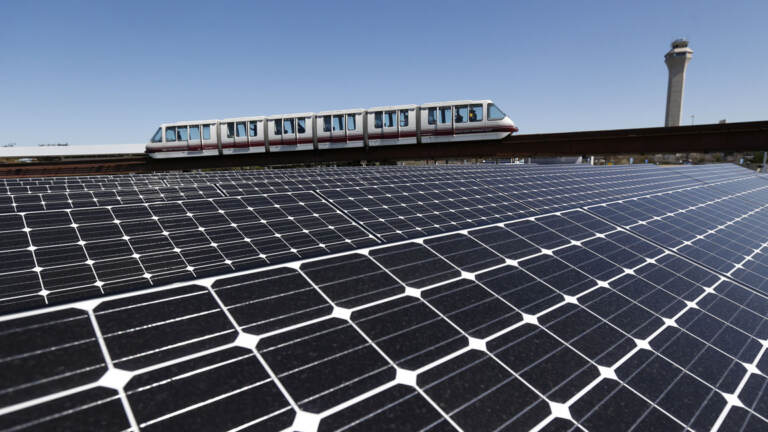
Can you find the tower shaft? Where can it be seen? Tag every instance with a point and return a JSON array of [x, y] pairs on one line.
[[677, 61]]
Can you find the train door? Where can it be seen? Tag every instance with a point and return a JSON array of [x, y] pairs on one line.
[[444, 125], [375, 127], [275, 126], [209, 139], [289, 132], [338, 131], [182, 137], [389, 132], [195, 143], [323, 131], [255, 136], [406, 125], [304, 137], [241, 135], [170, 140], [461, 124], [476, 117], [355, 129], [227, 134], [428, 124]]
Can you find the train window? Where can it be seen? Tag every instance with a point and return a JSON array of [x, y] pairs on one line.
[[288, 126], [445, 115], [240, 129], [207, 132], [326, 123], [158, 136], [338, 123], [253, 128], [461, 114], [351, 122], [389, 118], [377, 120], [194, 133], [475, 113], [494, 113], [301, 125], [278, 127], [170, 134], [403, 118], [181, 133], [432, 116], [230, 130]]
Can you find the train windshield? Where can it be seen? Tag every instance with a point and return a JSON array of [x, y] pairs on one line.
[[494, 113], [158, 136]]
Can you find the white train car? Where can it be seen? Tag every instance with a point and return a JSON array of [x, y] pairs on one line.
[[290, 132], [453, 121], [392, 125], [465, 120], [340, 129], [184, 139], [242, 135]]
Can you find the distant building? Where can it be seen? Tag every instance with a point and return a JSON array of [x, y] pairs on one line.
[[677, 60]]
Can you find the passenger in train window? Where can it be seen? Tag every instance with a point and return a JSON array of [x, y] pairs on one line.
[[431, 116], [377, 120], [278, 127], [181, 133], [326, 123], [206, 132], [338, 123], [253, 128], [194, 133], [403, 118], [230, 130], [351, 122], [461, 114], [170, 134], [288, 126], [475, 113], [389, 118], [301, 125]]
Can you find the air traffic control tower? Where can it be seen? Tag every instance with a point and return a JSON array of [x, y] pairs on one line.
[[677, 60]]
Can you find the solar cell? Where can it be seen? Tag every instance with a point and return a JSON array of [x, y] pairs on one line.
[[96, 408], [222, 390]]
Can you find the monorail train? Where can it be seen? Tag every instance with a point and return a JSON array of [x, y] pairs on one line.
[[468, 120]]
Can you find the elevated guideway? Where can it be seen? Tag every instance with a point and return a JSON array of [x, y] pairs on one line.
[[729, 137]]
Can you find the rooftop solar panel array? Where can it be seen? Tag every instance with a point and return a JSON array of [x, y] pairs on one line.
[[424, 298]]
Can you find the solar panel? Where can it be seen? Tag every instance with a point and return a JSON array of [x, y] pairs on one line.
[[558, 321], [62, 255], [406, 211], [722, 226], [33, 202]]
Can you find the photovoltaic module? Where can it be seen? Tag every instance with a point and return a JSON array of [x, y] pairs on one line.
[[403, 298]]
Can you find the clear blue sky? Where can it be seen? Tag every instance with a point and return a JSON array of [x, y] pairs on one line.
[[105, 72]]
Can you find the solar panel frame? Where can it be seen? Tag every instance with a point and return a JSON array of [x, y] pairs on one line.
[[635, 333]]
